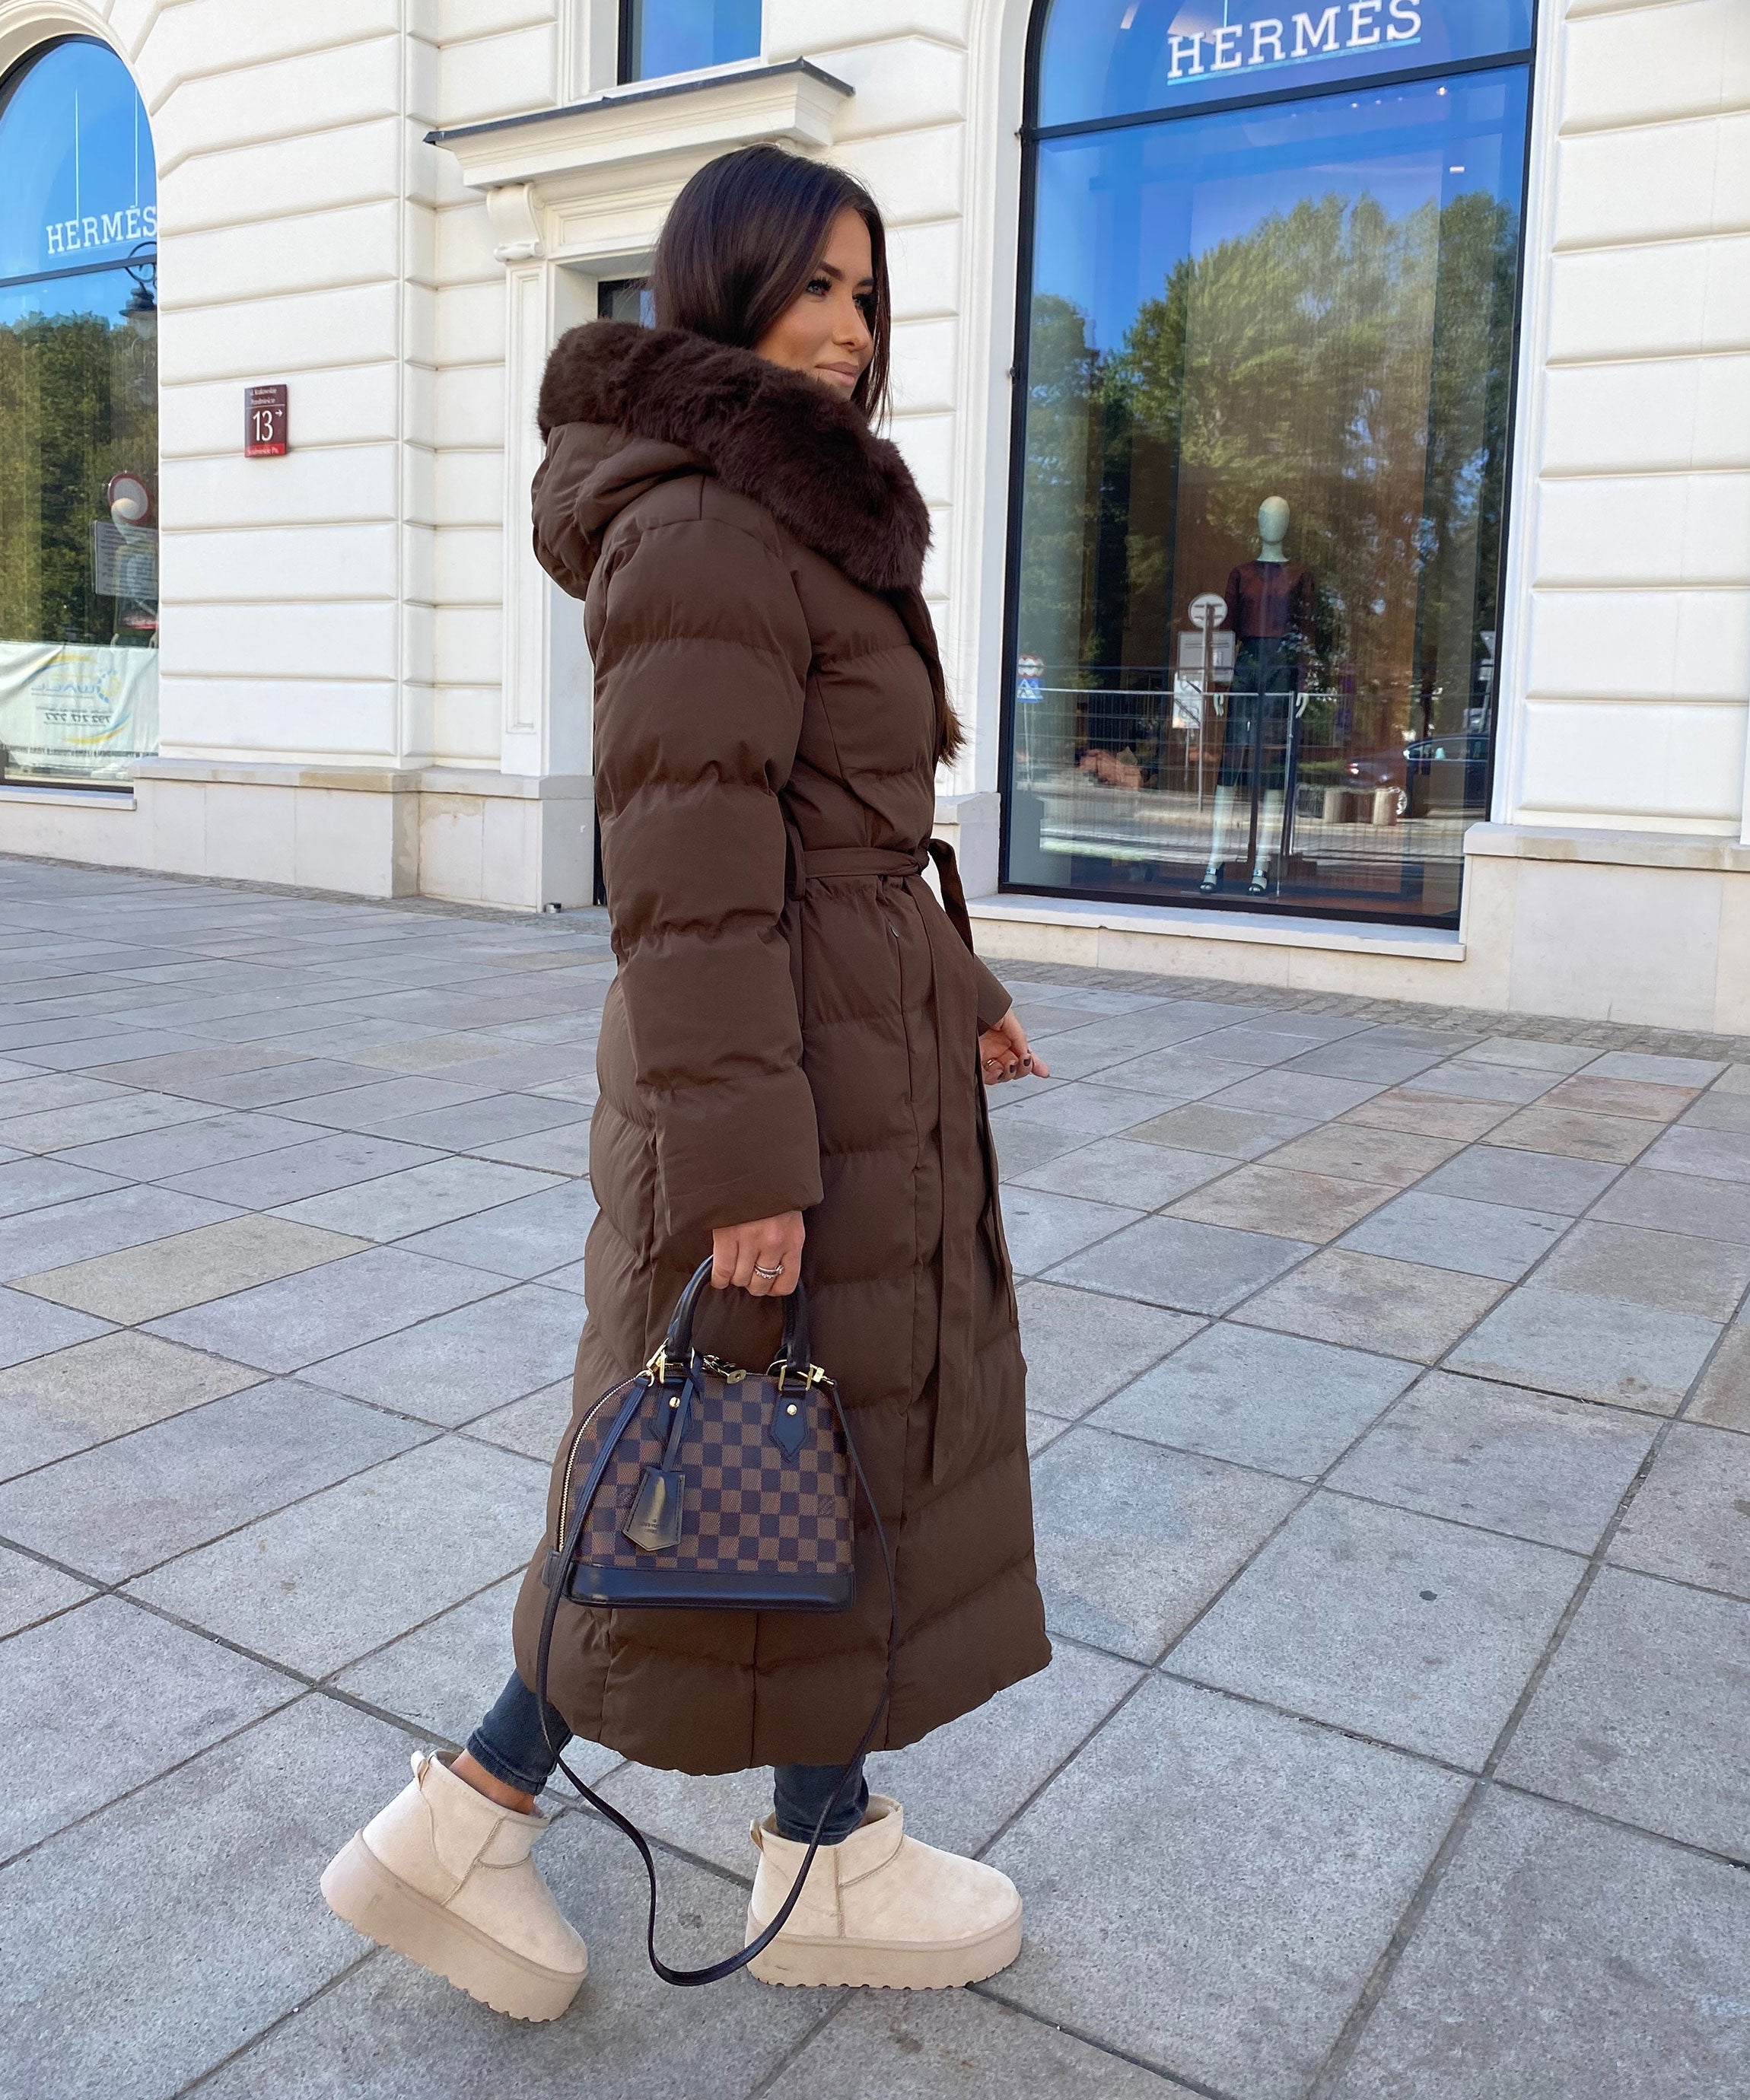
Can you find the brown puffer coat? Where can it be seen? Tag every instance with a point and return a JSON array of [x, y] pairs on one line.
[[794, 1026]]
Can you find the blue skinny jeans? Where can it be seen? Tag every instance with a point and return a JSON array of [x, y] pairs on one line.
[[511, 1744]]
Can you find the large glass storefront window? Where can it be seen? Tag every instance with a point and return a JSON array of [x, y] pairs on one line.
[[1267, 355], [78, 422]]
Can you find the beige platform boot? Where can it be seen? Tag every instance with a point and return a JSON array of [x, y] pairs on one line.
[[882, 1910], [444, 1876]]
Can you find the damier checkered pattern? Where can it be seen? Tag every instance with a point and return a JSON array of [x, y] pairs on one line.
[[747, 1508]]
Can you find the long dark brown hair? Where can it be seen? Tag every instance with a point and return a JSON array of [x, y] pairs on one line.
[[743, 238]]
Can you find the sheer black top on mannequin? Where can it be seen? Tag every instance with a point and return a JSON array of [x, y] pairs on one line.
[[1271, 601]]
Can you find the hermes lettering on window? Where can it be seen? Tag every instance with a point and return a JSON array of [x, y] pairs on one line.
[[109, 229], [1292, 39], [1120, 58]]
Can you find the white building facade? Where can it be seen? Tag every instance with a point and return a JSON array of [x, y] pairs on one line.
[[1462, 286]]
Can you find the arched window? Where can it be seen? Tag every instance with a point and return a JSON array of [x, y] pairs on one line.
[[79, 421], [1270, 272]]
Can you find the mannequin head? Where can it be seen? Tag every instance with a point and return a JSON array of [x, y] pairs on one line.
[[1272, 529]]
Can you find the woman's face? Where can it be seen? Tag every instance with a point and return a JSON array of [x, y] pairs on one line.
[[825, 332]]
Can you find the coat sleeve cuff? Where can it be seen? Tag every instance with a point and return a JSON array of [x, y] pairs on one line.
[[755, 1194], [725, 1163], [993, 999]]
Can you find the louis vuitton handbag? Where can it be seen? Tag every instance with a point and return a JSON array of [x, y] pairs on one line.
[[702, 1486]]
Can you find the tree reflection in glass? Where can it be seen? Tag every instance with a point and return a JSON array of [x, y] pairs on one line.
[[78, 422], [1314, 302]]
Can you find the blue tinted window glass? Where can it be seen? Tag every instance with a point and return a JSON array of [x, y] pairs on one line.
[[1114, 58], [1267, 384], [78, 422], [682, 36], [78, 178]]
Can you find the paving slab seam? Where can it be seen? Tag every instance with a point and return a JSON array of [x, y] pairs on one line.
[[1437, 1763], [1315, 1486], [231, 2056], [1257, 1703], [22, 1015], [1520, 1282], [1440, 1516], [1310, 1488], [98, 1587], [1209, 1319], [666, 1847], [1044, 1276], [465, 1430], [324, 1687], [1236, 1311], [326, 1681], [57, 1611], [1440, 1363], [1061, 1428], [1476, 1022], [1323, 1485], [1337, 2059], [1495, 1784], [1157, 2066], [1342, 2050], [140, 1786], [304, 1686], [421, 1732], [301, 1678], [842, 1999], [121, 1435], [1070, 1758], [302, 1372], [259, 1516], [1606, 1408], [414, 1232]]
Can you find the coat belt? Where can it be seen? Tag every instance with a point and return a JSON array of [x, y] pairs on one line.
[[965, 1129]]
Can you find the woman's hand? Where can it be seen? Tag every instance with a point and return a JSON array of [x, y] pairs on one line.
[[1004, 1053], [764, 1256]]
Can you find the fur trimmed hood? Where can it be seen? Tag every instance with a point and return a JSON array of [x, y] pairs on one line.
[[767, 433]]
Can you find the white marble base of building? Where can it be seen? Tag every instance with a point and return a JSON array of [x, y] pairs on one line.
[[473, 838], [1643, 927]]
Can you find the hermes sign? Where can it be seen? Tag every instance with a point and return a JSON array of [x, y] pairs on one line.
[[1269, 40], [1114, 58], [109, 229]]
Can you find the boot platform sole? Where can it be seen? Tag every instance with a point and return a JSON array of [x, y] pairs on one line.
[[358, 1887], [889, 1965]]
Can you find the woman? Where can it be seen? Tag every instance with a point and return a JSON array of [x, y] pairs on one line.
[[790, 1065]]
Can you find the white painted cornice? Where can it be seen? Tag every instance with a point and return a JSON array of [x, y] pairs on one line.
[[561, 154]]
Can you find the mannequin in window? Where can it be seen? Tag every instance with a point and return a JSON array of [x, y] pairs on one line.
[[1269, 608]]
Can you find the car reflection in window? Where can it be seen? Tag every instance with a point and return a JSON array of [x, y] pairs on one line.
[[1435, 776]]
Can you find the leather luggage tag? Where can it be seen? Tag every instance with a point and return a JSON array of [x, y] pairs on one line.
[[654, 1523]]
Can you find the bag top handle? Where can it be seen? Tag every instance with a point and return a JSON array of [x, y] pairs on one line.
[[792, 1356]]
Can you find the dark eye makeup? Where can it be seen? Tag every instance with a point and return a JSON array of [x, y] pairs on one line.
[[865, 302]]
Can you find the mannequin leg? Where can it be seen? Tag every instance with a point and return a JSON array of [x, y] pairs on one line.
[[1220, 834], [1269, 832], [1274, 702]]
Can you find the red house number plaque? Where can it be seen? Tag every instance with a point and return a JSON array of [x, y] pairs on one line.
[[264, 422]]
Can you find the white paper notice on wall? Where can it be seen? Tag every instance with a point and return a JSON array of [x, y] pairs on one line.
[[74, 710]]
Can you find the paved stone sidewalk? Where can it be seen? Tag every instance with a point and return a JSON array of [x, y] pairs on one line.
[[1392, 1393]]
